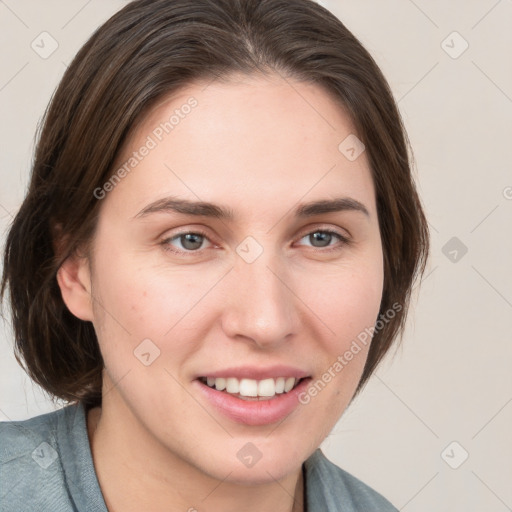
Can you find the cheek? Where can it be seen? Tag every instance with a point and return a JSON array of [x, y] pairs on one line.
[[136, 293], [138, 301], [346, 305], [346, 300]]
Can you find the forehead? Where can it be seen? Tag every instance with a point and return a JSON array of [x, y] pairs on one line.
[[254, 140]]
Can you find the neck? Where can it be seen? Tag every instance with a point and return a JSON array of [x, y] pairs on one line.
[[143, 475]]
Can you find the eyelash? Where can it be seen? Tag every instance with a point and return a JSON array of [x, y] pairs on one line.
[[167, 247]]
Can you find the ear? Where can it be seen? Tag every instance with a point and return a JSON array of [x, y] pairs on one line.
[[74, 279]]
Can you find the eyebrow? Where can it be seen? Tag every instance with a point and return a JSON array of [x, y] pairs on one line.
[[205, 209]]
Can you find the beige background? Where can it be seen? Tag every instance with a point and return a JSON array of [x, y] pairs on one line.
[[451, 381]]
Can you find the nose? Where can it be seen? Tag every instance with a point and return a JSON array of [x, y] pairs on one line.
[[260, 306]]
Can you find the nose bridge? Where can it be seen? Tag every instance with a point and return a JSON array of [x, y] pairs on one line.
[[260, 307]]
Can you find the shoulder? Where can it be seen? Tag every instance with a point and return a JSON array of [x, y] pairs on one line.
[[20, 439], [336, 490], [31, 468]]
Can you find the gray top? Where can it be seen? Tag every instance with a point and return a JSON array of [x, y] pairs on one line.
[[46, 465]]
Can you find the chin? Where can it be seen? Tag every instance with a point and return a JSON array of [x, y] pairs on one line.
[[260, 461]]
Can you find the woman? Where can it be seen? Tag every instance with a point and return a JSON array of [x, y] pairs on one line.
[[216, 250]]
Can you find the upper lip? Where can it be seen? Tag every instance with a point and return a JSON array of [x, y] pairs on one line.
[[257, 373]]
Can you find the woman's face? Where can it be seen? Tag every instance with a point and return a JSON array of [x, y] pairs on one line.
[[264, 282]]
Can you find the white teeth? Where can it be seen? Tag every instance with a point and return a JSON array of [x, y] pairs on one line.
[[248, 387], [220, 384], [251, 387], [232, 385], [290, 382], [266, 387]]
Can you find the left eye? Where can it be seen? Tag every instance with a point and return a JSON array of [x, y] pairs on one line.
[[323, 238]]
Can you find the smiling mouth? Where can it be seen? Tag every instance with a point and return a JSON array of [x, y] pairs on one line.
[[251, 389]]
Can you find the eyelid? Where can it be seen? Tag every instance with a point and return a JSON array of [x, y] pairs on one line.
[[341, 243], [165, 241], [345, 238]]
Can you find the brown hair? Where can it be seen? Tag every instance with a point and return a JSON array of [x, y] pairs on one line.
[[148, 50]]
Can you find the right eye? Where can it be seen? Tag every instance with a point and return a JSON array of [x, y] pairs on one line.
[[185, 242]]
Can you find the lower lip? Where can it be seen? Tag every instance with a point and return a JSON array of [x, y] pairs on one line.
[[254, 412]]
